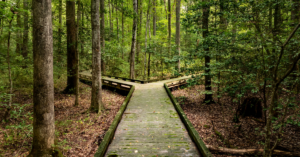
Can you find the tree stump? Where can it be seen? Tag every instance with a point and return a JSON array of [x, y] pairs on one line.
[[251, 107]]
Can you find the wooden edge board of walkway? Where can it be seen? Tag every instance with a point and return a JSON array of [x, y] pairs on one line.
[[191, 130], [111, 131], [84, 73]]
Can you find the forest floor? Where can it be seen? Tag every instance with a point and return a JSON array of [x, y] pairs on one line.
[[78, 131], [245, 134]]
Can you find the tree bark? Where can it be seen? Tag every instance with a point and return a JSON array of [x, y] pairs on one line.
[[102, 34], [25, 32], [71, 47], [208, 96], [146, 31], [169, 26], [110, 23], [154, 17], [139, 31], [78, 39], [178, 31], [81, 31], [9, 73], [19, 34], [60, 52], [122, 32], [133, 44], [43, 89], [96, 103]]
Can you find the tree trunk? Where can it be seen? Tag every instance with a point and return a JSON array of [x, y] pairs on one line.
[[208, 96], [169, 26], [71, 47], [19, 34], [178, 31], [78, 39], [146, 31], [25, 32], [110, 24], [81, 31], [9, 73], [43, 89], [149, 58], [122, 32], [154, 17], [96, 103], [133, 44], [102, 34], [60, 52], [139, 31]]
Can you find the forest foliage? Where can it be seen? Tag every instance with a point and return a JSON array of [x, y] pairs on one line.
[[249, 47]]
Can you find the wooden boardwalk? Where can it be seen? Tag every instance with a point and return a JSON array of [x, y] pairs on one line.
[[150, 125]]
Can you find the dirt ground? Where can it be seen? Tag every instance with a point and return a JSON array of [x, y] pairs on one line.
[[245, 134], [78, 132]]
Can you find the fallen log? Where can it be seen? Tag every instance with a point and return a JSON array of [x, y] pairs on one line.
[[248, 151]]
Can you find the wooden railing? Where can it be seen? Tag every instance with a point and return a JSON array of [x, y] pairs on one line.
[[172, 85], [109, 83]]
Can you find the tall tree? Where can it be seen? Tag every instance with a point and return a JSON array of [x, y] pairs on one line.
[[102, 33], [43, 89], [60, 30], [169, 26], [9, 71], [78, 39], [19, 34], [154, 17], [146, 31], [110, 23], [122, 30], [81, 30], [133, 44], [96, 103], [178, 31], [71, 47], [25, 32], [139, 32], [205, 34]]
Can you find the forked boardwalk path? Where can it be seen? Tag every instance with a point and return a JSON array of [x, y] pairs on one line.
[[150, 125]]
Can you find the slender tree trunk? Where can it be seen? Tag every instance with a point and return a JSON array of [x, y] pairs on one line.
[[78, 39], [133, 44], [96, 104], [71, 47], [102, 34], [154, 17], [117, 22], [169, 26], [166, 9], [81, 31], [25, 32], [43, 89], [110, 23], [19, 34], [146, 31], [122, 32], [208, 96], [9, 73], [60, 52], [139, 30], [178, 31], [149, 58]]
